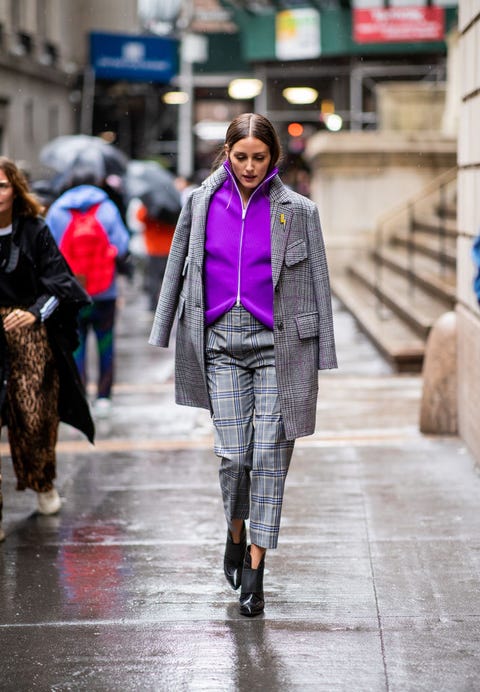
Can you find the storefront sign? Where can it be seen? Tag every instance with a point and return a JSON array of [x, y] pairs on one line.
[[399, 24], [297, 34], [133, 58]]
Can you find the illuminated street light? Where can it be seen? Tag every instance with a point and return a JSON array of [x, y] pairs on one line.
[[211, 130], [300, 95], [175, 98], [244, 88], [333, 122]]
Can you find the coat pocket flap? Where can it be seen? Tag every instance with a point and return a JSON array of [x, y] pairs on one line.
[[307, 325], [296, 253]]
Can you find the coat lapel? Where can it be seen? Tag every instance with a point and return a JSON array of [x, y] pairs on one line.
[[281, 215], [201, 203]]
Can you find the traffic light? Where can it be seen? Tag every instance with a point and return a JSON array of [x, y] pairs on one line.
[[295, 129]]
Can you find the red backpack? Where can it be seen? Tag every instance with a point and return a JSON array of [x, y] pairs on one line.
[[88, 251]]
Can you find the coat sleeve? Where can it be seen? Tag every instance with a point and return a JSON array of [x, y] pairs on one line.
[[173, 279], [327, 355]]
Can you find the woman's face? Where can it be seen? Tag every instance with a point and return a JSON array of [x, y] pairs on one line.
[[250, 160], [6, 200]]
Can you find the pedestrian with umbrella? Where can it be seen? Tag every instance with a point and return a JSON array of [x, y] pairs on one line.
[[63, 153], [68, 153], [160, 206]]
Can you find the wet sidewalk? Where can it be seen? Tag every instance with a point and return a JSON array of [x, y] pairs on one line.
[[374, 585]]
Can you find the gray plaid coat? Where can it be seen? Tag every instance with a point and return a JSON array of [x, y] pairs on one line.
[[303, 329]]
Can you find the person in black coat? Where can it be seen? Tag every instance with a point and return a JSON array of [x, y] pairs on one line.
[[39, 302]]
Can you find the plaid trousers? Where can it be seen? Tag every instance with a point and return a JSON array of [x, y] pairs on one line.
[[249, 432]]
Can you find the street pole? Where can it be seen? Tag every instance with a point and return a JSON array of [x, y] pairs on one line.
[[193, 48], [185, 113], [88, 98]]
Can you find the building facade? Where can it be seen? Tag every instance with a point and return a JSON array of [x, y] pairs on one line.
[[45, 89], [468, 314], [43, 53]]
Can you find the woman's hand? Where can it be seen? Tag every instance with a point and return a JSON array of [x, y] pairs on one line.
[[18, 319]]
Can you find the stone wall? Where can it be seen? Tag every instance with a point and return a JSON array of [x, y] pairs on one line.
[[359, 176], [411, 106], [38, 97], [469, 224]]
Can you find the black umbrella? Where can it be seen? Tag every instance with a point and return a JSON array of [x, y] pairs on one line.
[[155, 187], [45, 191], [68, 151]]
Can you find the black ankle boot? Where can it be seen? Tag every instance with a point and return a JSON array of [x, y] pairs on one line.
[[251, 596], [233, 559]]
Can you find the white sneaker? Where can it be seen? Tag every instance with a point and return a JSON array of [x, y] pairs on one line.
[[2, 534], [49, 502], [102, 407]]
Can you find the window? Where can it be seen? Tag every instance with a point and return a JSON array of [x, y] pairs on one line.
[[51, 53], [26, 41]]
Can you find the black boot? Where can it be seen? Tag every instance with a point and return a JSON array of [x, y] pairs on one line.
[[233, 558], [251, 596]]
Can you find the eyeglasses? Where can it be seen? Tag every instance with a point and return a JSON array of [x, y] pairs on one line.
[[4, 186]]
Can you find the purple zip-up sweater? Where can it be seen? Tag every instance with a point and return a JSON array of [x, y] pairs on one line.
[[238, 267]]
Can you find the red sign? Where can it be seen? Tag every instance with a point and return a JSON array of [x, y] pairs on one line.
[[394, 24]]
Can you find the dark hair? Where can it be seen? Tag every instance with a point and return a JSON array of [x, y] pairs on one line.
[[83, 175], [24, 202], [251, 125]]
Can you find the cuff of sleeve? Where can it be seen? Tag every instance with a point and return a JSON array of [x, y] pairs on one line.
[[35, 311]]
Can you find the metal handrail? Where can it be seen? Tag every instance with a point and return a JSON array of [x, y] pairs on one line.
[[411, 250], [425, 192], [409, 209]]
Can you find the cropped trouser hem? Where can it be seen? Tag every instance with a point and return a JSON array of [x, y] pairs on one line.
[[249, 432]]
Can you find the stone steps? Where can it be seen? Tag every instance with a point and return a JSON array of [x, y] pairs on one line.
[[409, 301], [434, 225], [422, 270], [395, 339], [428, 245], [398, 290]]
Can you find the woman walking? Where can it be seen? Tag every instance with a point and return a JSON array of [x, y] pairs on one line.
[[247, 277], [39, 302]]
